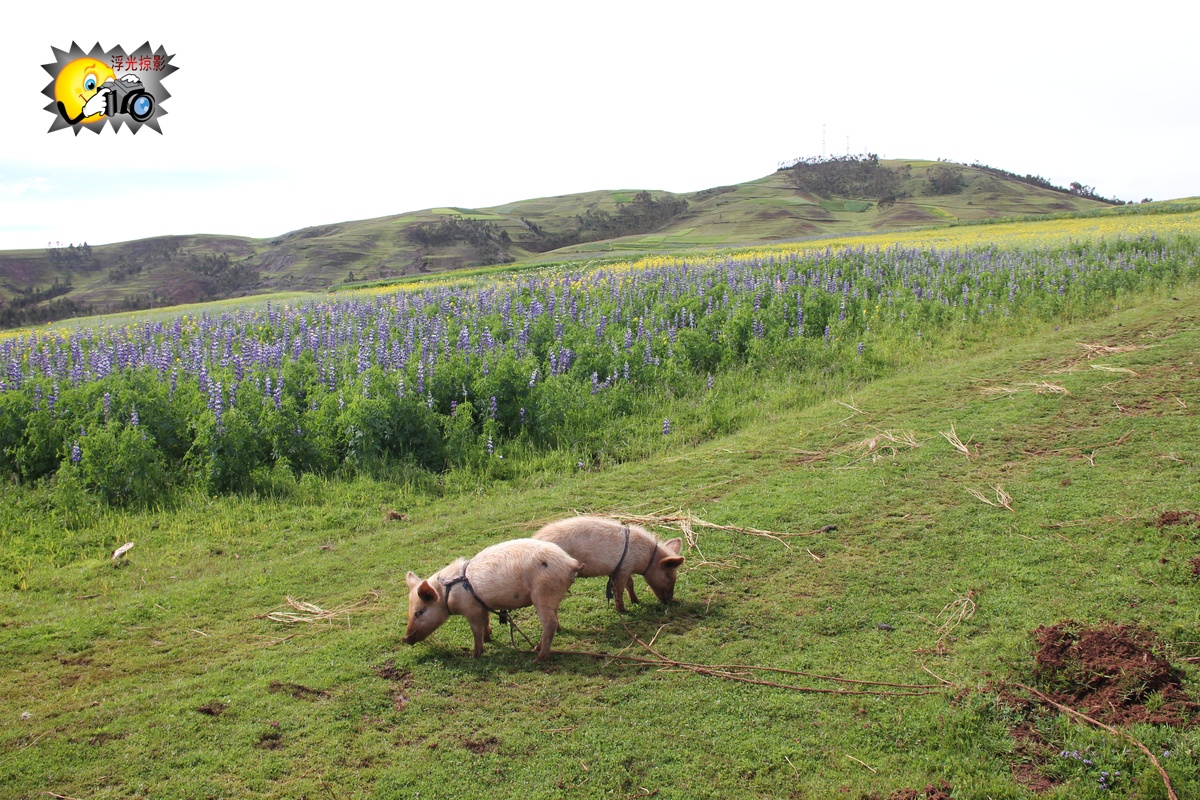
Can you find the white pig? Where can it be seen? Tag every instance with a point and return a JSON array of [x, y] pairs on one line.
[[502, 577], [619, 551]]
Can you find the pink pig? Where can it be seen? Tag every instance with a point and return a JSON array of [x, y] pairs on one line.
[[609, 548], [499, 578]]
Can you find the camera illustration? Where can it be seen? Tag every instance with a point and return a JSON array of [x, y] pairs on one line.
[[129, 98]]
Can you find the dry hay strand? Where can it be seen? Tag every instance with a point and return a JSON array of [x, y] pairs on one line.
[[309, 613], [686, 522], [1003, 498], [904, 438], [1045, 387], [1114, 369], [953, 614], [1098, 350], [955, 442], [999, 390]]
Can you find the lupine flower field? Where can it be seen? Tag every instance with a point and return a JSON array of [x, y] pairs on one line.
[[446, 376]]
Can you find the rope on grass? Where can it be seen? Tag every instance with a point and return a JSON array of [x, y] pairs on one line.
[[1128, 737], [741, 673]]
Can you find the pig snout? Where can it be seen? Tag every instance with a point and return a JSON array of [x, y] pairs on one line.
[[414, 636]]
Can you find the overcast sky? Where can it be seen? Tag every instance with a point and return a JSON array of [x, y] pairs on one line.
[[281, 117]]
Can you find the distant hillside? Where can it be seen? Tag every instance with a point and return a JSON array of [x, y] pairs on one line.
[[40, 285]]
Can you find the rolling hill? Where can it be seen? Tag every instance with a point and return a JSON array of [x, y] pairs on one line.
[[40, 285]]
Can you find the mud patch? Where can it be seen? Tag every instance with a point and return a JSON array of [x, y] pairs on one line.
[[403, 679], [270, 740], [1195, 565], [214, 709], [1167, 518], [939, 791], [481, 746], [1118, 674], [297, 691]]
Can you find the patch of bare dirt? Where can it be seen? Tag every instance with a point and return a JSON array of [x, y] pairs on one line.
[[403, 679], [1195, 564], [297, 691], [1118, 674], [270, 740], [939, 791], [480, 746], [214, 709], [1178, 518]]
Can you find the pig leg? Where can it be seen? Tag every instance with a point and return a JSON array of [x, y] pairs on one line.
[[480, 629], [546, 605], [623, 581], [633, 598]]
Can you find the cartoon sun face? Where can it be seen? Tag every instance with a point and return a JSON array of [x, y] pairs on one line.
[[77, 82]]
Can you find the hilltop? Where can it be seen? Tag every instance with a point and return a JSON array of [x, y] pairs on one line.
[[61, 282]]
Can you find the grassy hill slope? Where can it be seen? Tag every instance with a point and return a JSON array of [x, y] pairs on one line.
[[181, 269], [163, 676]]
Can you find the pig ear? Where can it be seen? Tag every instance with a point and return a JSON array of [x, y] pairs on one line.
[[412, 579], [426, 592], [674, 546], [673, 561]]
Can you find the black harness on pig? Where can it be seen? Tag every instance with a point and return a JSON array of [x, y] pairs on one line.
[[608, 590], [466, 584]]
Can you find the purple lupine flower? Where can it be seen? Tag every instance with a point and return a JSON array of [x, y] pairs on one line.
[[489, 446], [709, 382], [666, 426], [522, 415], [76, 453], [826, 334], [453, 407], [133, 416], [860, 348], [492, 407]]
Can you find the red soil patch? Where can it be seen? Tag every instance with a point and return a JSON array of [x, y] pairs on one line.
[[1178, 518], [1195, 564], [942, 791], [1113, 673]]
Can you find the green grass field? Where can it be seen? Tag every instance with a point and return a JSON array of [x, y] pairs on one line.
[[881, 553]]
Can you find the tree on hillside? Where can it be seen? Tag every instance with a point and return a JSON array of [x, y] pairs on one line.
[[847, 176], [945, 179]]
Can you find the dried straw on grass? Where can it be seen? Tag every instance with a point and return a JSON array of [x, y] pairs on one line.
[[1003, 498], [1114, 369], [686, 522], [953, 614], [955, 442], [1096, 350], [1044, 387], [307, 612]]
